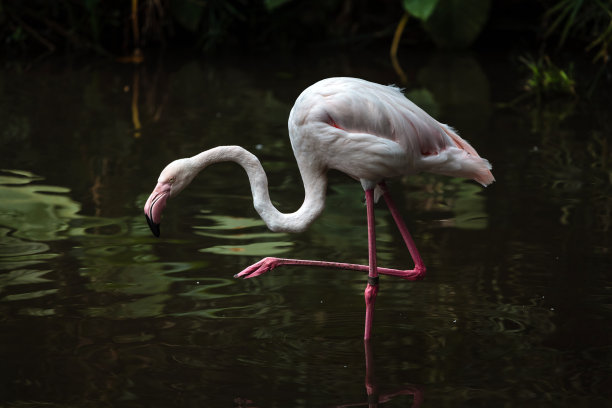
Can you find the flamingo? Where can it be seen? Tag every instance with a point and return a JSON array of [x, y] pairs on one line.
[[369, 131]]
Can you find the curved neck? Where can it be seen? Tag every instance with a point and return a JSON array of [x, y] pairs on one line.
[[315, 184]]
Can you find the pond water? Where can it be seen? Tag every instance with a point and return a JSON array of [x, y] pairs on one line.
[[95, 311]]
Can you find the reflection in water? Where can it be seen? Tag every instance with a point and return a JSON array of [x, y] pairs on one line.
[[374, 396], [462, 203], [236, 229], [373, 390], [96, 312], [39, 212], [30, 214], [34, 211], [34, 215]]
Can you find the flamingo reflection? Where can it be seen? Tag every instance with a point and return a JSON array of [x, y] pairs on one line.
[[372, 389], [374, 396]]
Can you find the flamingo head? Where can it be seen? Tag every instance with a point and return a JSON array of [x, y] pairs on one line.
[[172, 180]]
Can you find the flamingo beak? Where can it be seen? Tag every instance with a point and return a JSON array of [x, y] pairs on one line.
[[155, 205], [154, 227]]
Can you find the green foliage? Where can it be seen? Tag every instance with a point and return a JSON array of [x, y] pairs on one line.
[[450, 23], [546, 79], [420, 9], [187, 13], [51, 24], [210, 22], [590, 20], [118, 27], [457, 23], [565, 10], [109, 27]]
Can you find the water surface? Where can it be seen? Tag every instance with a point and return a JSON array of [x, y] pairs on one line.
[[95, 311]]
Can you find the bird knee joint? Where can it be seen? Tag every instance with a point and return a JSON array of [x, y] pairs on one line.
[[420, 271], [370, 293]]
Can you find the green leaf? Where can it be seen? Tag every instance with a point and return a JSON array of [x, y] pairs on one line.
[[425, 100], [457, 23], [187, 13], [420, 9]]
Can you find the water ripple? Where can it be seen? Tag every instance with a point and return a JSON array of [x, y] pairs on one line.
[[241, 230]]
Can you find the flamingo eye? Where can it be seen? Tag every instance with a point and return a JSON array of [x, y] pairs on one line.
[[172, 179]]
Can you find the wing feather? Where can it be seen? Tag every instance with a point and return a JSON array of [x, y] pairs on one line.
[[369, 116]]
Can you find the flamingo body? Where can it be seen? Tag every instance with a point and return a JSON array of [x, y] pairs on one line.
[[370, 132], [373, 132]]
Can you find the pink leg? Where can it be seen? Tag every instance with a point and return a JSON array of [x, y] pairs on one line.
[[373, 270], [372, 287], [419, 266], [418, 273], [371, 384]]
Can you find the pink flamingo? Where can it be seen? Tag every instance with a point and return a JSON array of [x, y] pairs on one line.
[[370, 132]]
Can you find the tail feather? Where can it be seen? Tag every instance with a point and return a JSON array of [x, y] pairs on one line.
[[482, 173], [459, 141], [458, 159], [473, 166]]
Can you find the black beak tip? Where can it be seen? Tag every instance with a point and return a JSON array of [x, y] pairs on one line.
[[154, 227]]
